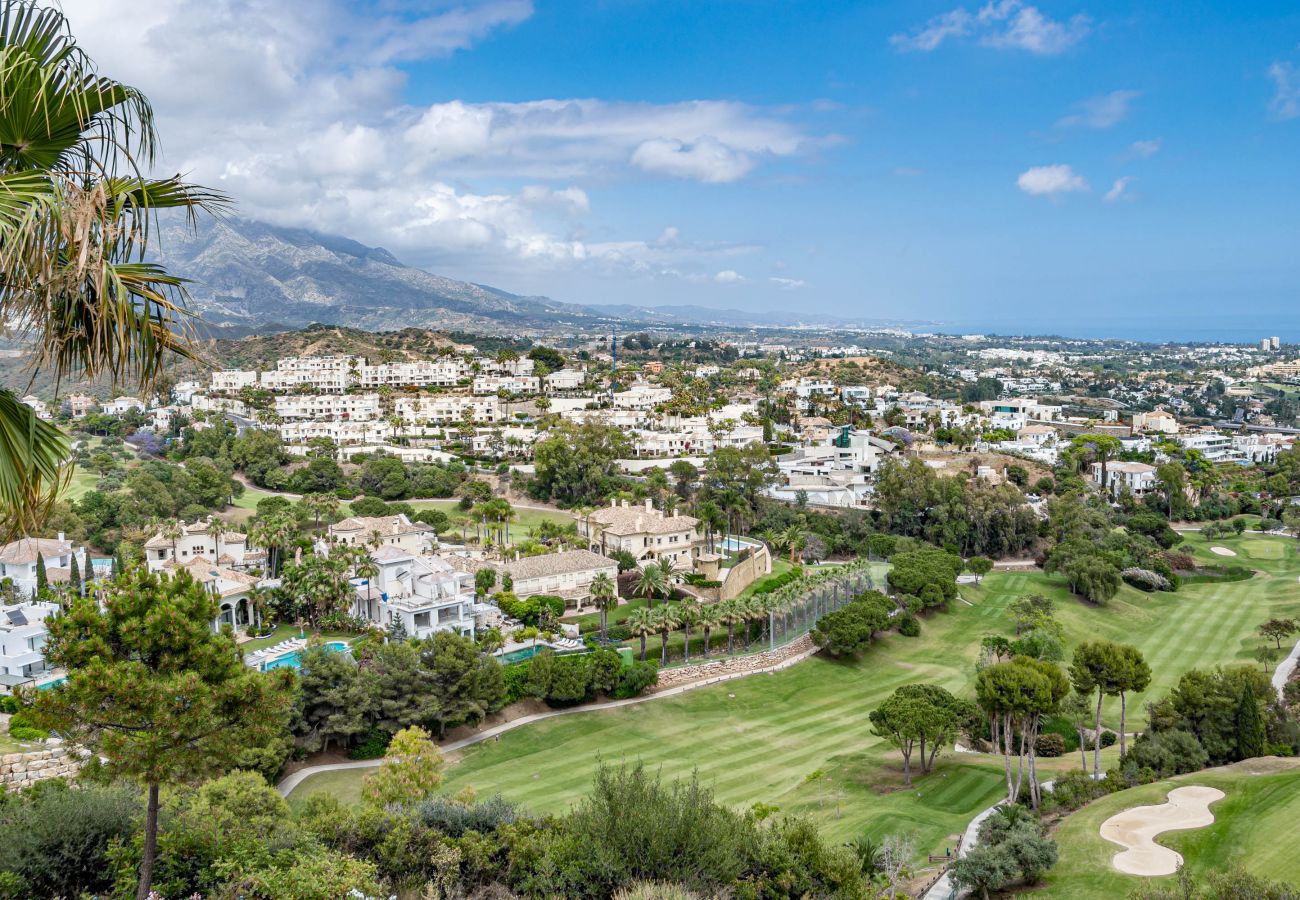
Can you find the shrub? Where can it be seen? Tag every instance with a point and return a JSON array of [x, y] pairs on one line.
[[1050, 745], [1108, 738], [619, 632], [1146, 580], [1166, 753], [23, 727], [372, 746], [27, 734], [54, 841], [516, 679], [9, 704], [636, 680], [909, 626], [1076, 788], [453, 818]]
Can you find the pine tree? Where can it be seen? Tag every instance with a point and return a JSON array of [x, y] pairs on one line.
[[74, 578], [42, 580], [155, 692], [1251, 736]]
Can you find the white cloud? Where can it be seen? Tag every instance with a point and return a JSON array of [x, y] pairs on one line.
[[1146, 149], [1049, 181], [1286, 97], [729, 276], [1009, 24], [296, 108], [1105, 111], [1118, 189], [787, 283]]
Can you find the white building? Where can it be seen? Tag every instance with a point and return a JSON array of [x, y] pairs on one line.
[[396, 531], [22, 642], [448, 409], [513, 384], [1139, 479], [18, 562], [38, 406], [1214, 446], [425, 593], [231, 380], [642, 396], [205, 539], [343, 407], [565, 380]]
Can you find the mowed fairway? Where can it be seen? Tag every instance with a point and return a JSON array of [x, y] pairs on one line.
[[1251, 828], [801, 739]]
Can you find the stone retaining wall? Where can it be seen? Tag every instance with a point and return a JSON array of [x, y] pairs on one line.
[[735, 665], [17, 770]]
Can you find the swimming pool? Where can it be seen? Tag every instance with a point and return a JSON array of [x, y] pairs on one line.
[[515, 656], [293, 659]]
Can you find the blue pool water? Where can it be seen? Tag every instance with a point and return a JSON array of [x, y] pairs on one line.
[[293, 661], [518, 655]]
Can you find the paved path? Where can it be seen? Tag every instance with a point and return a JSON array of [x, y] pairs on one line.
[[286, 787], [1284, 669], [943, 889]]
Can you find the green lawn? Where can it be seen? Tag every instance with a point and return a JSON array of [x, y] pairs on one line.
[[285, 632], [83, 480], [1250, 825], [759, 739]]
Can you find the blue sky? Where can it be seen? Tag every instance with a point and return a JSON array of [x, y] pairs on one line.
[[1065, 166]]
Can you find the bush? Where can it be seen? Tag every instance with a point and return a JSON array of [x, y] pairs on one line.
[[1108, 738], [1075, 789], [27, 734], [1146, 580], [619, 632], [453, 818], [1050, 745], [1166, 753], [23, 727], [776, 582], [9, 704], [54, 841], [637, 679], [1065, 730], [372, 746], [516, 679], [909, 626]]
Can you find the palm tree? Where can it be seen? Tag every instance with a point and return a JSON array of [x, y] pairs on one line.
[[688, 614], [604, 595], [730, 614], [711, 615], [171, 531], [665, 567], [641, 624], [649, 583], [77, 224], [795, 539], [665, 621]]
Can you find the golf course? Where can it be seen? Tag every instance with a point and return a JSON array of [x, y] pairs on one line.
[[801, 740]]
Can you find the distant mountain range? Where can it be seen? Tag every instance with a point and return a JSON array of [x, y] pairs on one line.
[[250, 277]]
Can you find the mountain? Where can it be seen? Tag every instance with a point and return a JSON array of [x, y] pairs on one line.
[[249, 277], [687, 314]]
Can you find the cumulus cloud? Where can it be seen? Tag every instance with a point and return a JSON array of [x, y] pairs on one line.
[[728, 276], [1118, 189], [1105, 111], [1286, 94], [296, 108], [1146, 149], [1051, 181], [1008, 24]]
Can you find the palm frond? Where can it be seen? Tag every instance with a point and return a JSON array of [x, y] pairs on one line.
[[32, 470]]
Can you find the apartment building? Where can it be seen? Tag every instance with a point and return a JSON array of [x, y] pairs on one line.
[[342, 407], [445, 372], [232, 380], [448, 409], [565, 380], [37, 406], [345, 434], [642, 396], [514, 384], [1160, 421]]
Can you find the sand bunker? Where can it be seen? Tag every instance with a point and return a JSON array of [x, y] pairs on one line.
[[1136, 828], [1223, 551]]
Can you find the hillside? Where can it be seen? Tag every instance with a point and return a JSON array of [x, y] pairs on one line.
[[248, 275]]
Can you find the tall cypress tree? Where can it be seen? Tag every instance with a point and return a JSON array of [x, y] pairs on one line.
[[1251, 735], [74, 577], [42, 581]]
